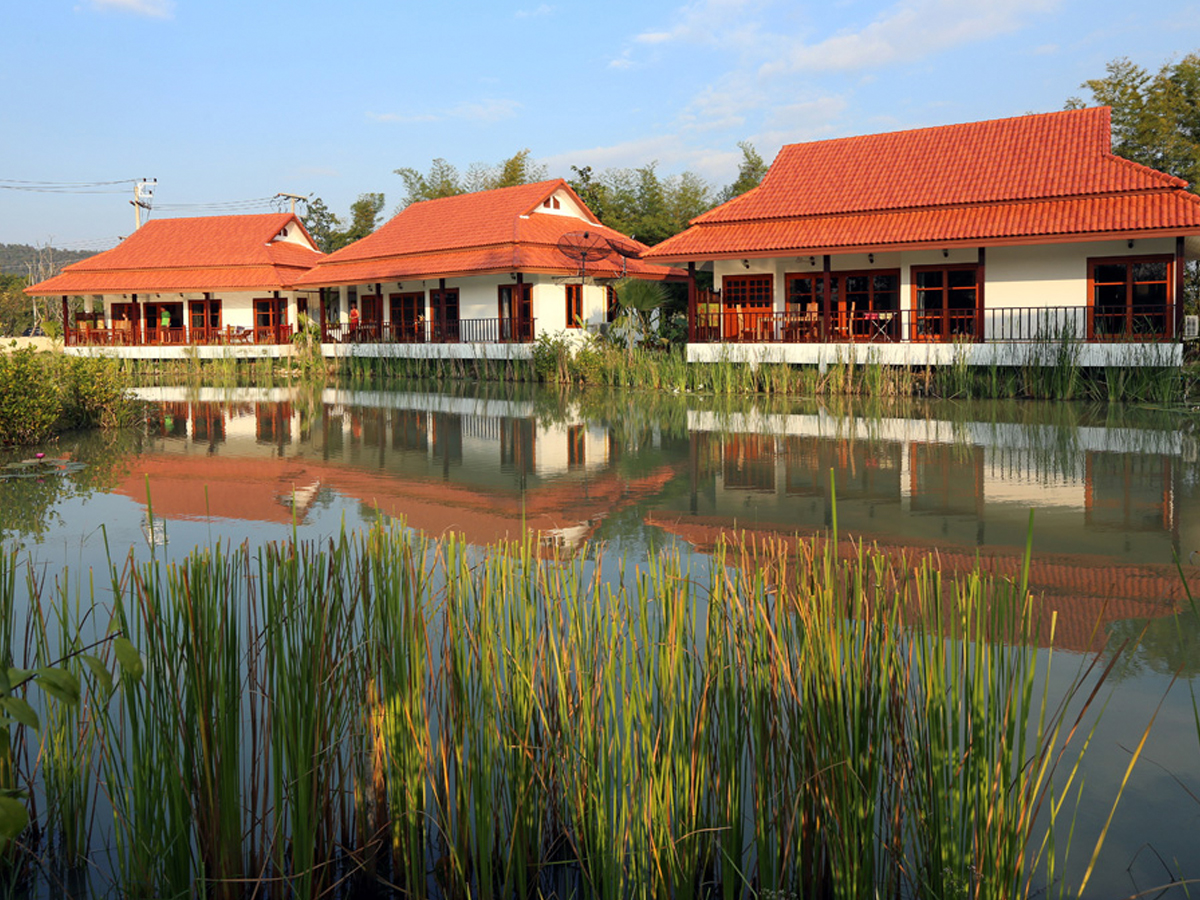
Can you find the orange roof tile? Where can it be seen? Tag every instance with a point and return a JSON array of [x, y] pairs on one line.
[[472, 234], [197, 254], [1041, 177]]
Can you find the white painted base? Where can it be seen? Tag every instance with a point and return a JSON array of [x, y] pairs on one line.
[[428, 351], [223, 351], [822, 355]]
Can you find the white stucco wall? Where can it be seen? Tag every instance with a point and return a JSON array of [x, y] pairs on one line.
[[1040, 275]]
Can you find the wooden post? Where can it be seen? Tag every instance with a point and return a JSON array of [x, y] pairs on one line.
[[65, 313], [691, 297], [827, 301], [1179, 289], [980, 279]]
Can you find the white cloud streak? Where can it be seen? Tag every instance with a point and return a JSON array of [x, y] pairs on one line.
[[910, 31], [155, 9], [482, 111]]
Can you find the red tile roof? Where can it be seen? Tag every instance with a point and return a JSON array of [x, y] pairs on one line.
[[474, 234], [200, 254], [1034, 178]]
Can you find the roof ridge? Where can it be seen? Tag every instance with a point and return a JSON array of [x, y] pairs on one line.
[[959, 204]]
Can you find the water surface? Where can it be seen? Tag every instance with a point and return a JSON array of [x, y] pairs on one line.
[[1113, 493]]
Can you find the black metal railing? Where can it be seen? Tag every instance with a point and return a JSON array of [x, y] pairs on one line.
[[1002, 325], [452, 331]]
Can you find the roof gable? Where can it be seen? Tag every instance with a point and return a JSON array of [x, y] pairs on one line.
[[1052, 155], [481, 219], [203, 241], [502, 230]]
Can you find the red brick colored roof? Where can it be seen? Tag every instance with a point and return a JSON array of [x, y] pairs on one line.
[[199, 254], [1034, 178], [475, 234]]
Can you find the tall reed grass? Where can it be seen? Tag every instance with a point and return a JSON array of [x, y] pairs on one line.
[[805, 719]]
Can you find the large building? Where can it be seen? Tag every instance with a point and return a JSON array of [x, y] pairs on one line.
[[213, 285], [987, 242], [482, 272]]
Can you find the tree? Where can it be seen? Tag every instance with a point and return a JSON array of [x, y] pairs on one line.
[[1156, 122], [1155, 118], [590, 190], [442, 181], [364, 217], [750, 173], [322, 225]]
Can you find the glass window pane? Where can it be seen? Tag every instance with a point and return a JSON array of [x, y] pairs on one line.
[[886, 283], [1110, 297], [1110, 273], [856, 284], [929, 279], [1150, 271], [1150, 294], [961, 278]]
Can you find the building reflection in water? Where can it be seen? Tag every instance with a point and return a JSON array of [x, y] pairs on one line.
[[1112, 504]]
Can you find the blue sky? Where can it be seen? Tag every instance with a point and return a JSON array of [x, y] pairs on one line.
[[230, 100]]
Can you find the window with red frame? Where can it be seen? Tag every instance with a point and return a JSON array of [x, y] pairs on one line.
[[1129, 297], [574, 305]]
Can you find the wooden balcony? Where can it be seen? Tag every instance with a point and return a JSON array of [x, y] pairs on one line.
[[1148, 324], [462, 331]]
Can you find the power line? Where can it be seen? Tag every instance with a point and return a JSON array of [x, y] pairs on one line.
[[64, 187], [67, 183]]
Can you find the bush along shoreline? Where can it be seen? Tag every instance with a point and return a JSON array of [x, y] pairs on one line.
[[381, 715], [1049, 371], [42, 394], [556, 360]]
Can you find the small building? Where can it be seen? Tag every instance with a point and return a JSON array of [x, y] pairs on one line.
[[476, 274], [210, 286], [995, 242]]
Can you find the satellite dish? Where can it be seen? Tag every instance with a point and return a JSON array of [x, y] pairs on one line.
[[584, 247], [624, 249], [627, 249]]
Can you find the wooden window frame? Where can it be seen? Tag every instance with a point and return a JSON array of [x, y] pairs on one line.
[[574, 309], [1129, 261], [946, 332], [743, 311]]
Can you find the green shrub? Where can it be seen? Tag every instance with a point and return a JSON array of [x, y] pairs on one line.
[[30, 397]]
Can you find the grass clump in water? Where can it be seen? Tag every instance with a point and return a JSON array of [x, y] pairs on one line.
[[809, 718]]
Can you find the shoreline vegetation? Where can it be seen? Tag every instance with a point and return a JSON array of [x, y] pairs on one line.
[[382, 715], [44, 393]]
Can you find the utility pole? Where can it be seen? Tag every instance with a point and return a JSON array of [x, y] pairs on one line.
[[293, 198], [143, 195]]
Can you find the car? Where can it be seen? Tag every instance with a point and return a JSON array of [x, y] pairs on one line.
[[33, 332]]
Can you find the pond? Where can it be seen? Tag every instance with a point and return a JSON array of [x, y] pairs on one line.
[[1113, 492]]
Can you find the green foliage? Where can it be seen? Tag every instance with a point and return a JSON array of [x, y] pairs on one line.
[[1156, 122], [443, 179], [41, 393], [750, 173], [30, 398], [323, 226], [1155, 118], [327, 230]]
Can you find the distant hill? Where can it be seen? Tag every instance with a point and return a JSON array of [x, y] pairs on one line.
[[16, 259]]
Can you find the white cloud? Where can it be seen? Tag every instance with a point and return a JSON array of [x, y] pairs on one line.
[[908, 31], [724, 22], [156, 9], [486, 111], [544, 9]]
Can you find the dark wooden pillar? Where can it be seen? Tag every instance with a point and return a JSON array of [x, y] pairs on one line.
[[65, 313], [1179, 289], [980, 280], [691, 299], [826, 290]]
